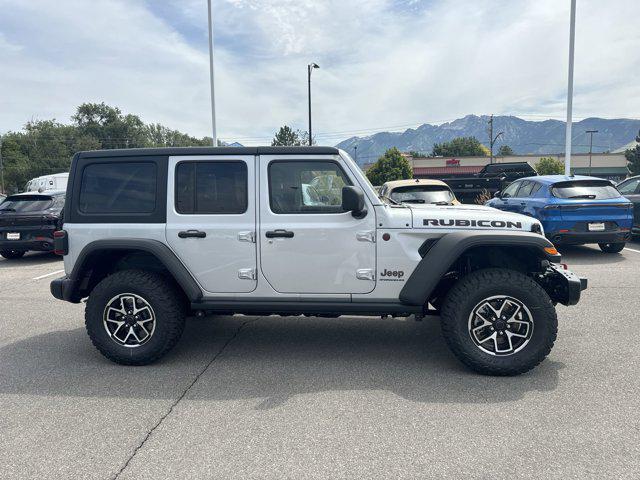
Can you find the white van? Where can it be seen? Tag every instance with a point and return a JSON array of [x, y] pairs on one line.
[[56, 181]]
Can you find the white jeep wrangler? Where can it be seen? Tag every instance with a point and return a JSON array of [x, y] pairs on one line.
[[152, 235]]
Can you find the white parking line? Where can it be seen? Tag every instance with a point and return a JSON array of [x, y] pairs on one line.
[[48, 274], [632, 250]]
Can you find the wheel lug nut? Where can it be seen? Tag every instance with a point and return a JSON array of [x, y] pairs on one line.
[[492, 329]]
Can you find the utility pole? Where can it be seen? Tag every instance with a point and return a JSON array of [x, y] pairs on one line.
[[214, 137], [492, 139], [572, 36], [310, 68], [1, 168], [590, 132]]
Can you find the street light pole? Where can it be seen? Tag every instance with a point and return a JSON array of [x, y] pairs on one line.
[[590, 132], [1, 168], [310, 67], [572, 35], [214, 138], [355, 149]]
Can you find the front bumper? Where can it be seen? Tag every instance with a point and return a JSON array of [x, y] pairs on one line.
[[563, 286], [582, 238], [64, 288]]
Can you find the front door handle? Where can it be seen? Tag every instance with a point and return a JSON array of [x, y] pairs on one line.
[[279, 234], [192, 234]]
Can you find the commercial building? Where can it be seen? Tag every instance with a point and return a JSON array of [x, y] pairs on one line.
[[612, 166]]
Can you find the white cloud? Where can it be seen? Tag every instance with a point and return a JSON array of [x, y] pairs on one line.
[[383, 62]]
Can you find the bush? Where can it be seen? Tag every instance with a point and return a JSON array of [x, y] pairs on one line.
[[550, 166], [391, 166]]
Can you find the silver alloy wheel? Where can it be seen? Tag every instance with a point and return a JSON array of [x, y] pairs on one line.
[[129, 320], [500, 325]]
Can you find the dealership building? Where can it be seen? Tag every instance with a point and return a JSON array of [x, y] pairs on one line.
[[612, 166]]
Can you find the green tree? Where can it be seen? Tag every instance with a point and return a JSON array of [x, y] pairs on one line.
[[505, 151], [46, 146], [287, 137], [460, 147], [390, 166], [416, 154], [633, 157], [550, 166]]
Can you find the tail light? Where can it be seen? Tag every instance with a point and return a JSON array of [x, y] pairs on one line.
[[60, 242]]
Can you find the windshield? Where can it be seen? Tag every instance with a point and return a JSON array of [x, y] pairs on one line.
[[585, 189], [422, 194], [26, 204]]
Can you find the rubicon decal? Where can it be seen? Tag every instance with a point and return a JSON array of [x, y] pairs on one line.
[[470, 223]]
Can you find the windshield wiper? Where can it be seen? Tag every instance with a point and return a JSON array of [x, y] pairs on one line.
[[390, 199], [7, 209], [590, 197], [441, 202], [413, 200]]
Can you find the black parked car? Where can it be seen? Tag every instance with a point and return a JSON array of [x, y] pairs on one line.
[[27, 222], [630, 188]]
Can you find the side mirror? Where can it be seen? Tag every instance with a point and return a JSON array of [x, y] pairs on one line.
[[498, 194], [353, 201]]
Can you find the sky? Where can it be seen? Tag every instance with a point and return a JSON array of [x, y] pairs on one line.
[[385, 65]]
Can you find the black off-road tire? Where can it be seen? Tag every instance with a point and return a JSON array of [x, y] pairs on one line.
[[612, 247], [12, 254], [482, 284], [167, 304]]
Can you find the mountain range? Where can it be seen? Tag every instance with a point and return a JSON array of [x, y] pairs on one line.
[[523, 136]]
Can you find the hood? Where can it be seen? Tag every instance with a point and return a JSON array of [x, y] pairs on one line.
[[470, 217]]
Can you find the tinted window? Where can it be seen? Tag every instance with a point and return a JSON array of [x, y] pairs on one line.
[[534, 190], [422, 194], [306, 187], [629, 187], [585, 189], [511, 190], [26, 203], [118, 187], [525, 189], [211, 187]]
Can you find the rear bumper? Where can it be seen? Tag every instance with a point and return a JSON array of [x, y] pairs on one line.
[[64, 288], [38, 239], [581, 238]]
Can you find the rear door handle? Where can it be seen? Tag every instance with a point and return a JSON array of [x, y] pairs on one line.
[[279, 234], [192, 234]]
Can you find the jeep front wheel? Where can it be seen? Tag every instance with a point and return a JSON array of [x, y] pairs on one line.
[[134, 317], [499, 322]]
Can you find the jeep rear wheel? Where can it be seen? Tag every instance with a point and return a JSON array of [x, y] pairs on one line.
[[134, 317], [12, 254], [499, 322]]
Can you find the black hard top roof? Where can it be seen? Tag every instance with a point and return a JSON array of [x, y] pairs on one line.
[[171, 151]]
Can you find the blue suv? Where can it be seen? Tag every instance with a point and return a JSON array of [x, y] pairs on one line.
[[573, 210]]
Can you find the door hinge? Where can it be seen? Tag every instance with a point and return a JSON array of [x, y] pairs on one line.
[[366, 236], [247, 273], [247, 237], [365, 274]]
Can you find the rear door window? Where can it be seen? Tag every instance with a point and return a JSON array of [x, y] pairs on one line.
[[211, 188], [525, 189], [117, 188], [585, 190]]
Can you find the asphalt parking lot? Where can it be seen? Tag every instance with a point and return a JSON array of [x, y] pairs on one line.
[[247, 397]]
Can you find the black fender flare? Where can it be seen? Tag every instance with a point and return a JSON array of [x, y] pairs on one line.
[[444, 253], [154, 247]]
